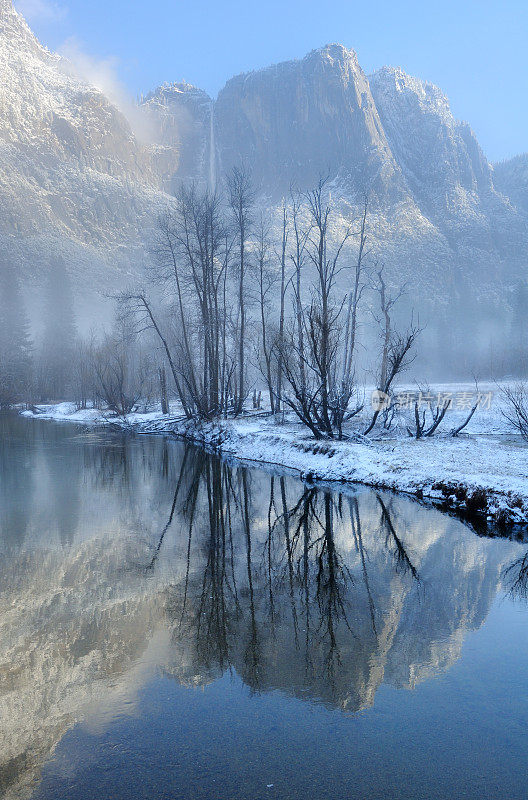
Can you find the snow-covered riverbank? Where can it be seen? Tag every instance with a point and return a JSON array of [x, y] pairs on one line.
[[483, 472]]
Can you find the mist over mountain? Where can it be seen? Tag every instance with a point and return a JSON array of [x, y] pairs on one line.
[[76, 180]]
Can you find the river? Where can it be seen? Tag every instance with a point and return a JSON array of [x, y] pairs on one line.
[[173, 626]]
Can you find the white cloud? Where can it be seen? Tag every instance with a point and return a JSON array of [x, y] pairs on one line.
[[103, 74], [41, 10], [98, 72]]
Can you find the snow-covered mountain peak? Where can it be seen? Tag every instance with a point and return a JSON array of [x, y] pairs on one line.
[[393, 81], [175, 89], [338, 60], [181, 115], [43, 101], [16, 36], [298, 120], [335, 53], [6, 8], [176, 94]]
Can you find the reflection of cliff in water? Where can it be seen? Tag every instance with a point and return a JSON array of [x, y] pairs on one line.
[[163, 558], [321, 595]]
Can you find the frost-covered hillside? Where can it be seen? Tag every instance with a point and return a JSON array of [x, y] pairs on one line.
[[437, 220], [511, 178], [74, 179], [181, 121], [450, 180]]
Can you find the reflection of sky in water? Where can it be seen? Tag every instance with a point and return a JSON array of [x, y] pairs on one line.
[[170, 627]]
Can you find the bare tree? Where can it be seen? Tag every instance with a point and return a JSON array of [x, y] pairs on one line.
[[163, 390], [139, 306], [83, 372], [311, 372], [399, 358], [298, 257], [241, 201], [355, 294], [384, 320], [167, 270], [427, 420], [191, 265], [515, 411], [266, 279], [396, 348], [284, 244], [119, 381], [459, 428], [424, 427]]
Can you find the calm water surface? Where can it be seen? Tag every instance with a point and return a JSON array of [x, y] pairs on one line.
[[172, 627]]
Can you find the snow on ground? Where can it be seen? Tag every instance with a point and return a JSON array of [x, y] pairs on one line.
[[483, 471], [68, 412]]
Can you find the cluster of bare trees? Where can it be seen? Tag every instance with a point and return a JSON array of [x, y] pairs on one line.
[[240, 302], [237, 300], [515, 411], [200, 273], [316, 348], [117, 373]]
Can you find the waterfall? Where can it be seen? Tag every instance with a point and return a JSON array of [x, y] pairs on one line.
[[212, 150]]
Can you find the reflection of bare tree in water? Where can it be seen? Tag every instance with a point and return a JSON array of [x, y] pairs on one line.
[[308, 562], [243, 591], [206, 605], [395, 544], [331, 588], [516, 575], [357, 532], [108, 463], [174, 501], [252, 652], [212, 620]]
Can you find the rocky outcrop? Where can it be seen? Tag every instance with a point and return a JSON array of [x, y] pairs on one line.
[[449, 178], [436, 154], [511, 178], [74, 179], [182, 118], [300, 120]]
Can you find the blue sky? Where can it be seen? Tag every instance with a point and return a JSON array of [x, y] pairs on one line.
[[475, 51]]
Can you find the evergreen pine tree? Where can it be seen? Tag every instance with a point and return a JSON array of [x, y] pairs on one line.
[[15, 340]]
